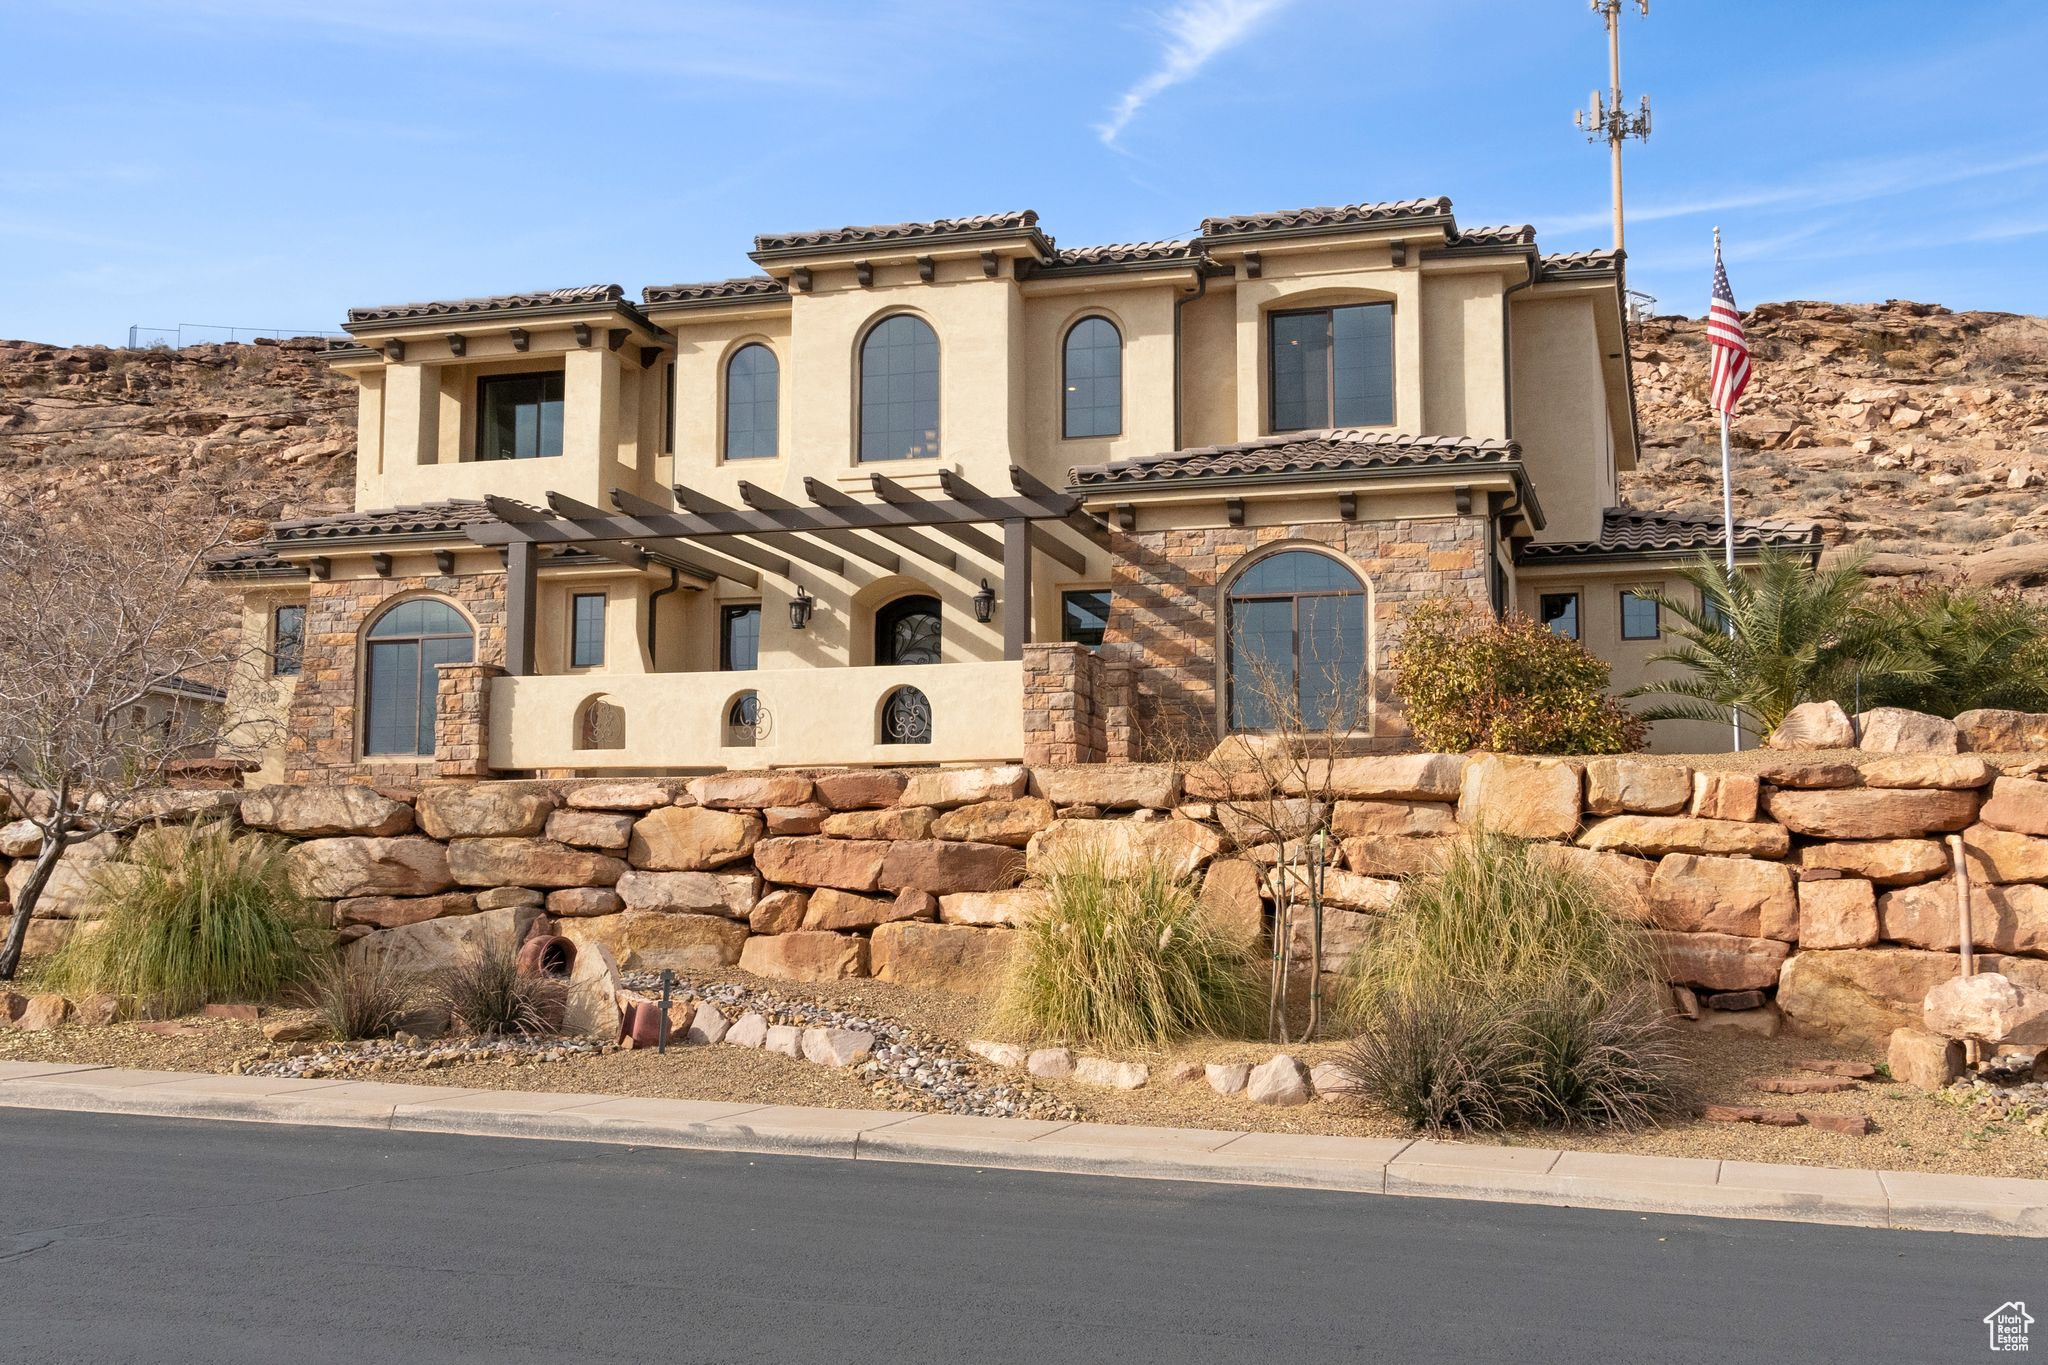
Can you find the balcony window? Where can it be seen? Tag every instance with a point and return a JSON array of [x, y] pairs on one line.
[[899, 390], [586, 630], [752, 403], [520, 416], [1094, 379], [1560, 612], [1332, 367], [1084, 615], [288, 641], [739, 638]]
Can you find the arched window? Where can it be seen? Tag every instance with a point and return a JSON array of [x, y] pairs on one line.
[[1093, 379], [906, 717], [406, 647], [1296, 644], [907, 631], [899, 390], [744, 721], [752, 403]]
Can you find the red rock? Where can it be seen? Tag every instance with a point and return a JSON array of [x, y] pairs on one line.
[[1719, 962], [1745, 1113], [848, 864], [862, 790], [247, 1014], [1855, 1071], [751, 791], [941, 867], [1849, 1125], [169, 1028], [1803, 1085]]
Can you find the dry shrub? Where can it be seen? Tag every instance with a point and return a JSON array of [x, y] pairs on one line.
[[357, 997], [486, 994]]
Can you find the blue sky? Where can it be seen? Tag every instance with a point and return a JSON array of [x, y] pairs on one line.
[[269, 162]]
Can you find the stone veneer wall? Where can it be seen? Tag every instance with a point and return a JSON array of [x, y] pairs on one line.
[[1820, 885], [1164, 620], [321, 742]]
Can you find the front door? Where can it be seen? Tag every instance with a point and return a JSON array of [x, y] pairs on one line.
[[907, 631]]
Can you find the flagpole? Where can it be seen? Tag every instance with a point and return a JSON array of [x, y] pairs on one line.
[[1728, 531]]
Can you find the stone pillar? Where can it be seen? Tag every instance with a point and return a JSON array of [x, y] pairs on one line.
[[462, 720], [1063, 721]]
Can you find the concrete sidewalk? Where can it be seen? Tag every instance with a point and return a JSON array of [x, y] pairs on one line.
[[1448, 1170]]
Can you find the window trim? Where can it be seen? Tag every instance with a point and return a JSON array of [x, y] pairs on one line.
[[1273, 315], [1227, 692], [1656, 617], [860, 351], [727, 613], [740, 348], [1066, 358], [484, 381], [576, 599], [277, 668], [1578, 613]]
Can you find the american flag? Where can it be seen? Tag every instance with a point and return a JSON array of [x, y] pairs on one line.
[[1731, 348]]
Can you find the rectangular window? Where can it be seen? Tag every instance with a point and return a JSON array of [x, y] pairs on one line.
[[1084, 615], [519, 416], [668, 408], [1560, 612], [739, 638], [586, 630], [1639, 619], [1715, 617], [1332, 367], [288, 641]]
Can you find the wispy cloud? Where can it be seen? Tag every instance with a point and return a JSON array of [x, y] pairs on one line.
[[1196, 33]]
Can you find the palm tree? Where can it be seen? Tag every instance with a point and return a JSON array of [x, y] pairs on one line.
[[1800, 633], [1982, 648]]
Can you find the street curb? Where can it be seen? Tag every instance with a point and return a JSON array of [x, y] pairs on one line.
[[1906, 1200]]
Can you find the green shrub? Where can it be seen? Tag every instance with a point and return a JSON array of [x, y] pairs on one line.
[[1468, 681], [486, 994], [193, 916], [1127, 957], [357, 998], [1502, 989], [1971, 647]]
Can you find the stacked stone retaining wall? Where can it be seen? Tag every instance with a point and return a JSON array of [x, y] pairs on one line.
[[1818, 884]]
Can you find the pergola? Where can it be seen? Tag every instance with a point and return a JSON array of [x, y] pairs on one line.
[[708, 539]]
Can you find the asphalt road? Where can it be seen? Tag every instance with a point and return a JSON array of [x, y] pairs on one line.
[[167, 1241]]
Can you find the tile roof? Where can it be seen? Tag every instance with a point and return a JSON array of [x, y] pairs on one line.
[[1340, 450], [1626, 532], [1343, 215], [251, 561], [716, 291], [1581, 262], [401, 312], [1508, 234], [431, 518], [1020, 220], [1124, 253]]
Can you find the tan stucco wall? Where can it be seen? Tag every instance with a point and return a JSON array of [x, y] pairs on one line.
[[1560, 419], [258, 700]]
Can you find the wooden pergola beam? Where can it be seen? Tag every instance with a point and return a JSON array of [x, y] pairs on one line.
[[1040, 539], [983, 544], [825, 495], [761, 500], [633, 506], [698, 507]]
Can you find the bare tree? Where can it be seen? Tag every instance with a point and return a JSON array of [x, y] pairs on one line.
[[105, 619]]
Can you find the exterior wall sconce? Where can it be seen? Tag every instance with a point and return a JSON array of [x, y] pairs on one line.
[[985, 603], [800, 608]]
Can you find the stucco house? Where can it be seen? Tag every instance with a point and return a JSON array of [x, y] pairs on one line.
[[950, 492]]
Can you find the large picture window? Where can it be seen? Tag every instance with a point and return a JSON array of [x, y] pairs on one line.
[[752, 403], [1093, 375], [1295, 626], [520, 416], [899, 390], [406, 647], [1332, 367]]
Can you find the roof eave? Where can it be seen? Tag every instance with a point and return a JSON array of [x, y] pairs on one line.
[[433, 324], [922, 244]]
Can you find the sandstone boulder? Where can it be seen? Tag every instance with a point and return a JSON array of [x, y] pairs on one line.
[[1393, 820], [708, 1025], [329, 869], [1345, 933], [1740, 896], [897, 822], [806, 955], [1867, 813], [1809, 774], [1997, 855], [484, 810], [1395, 857], [946, 787], [788, 820], [388, 912], [786, 1039], [1228, 1078], [1625, 879], [1948, 772], [781, 911], [435, 946], [751, 791], [2004, 919], [636, 794], [840, 1047], [1719, 962], [1814, 725], [1888, 862], [317, 812], [1280, 1081], [21, 839], [1617, 786], [508, 898], [575, 901], [591, 1007], [2003, 732], [1894, 730], [1111, 1075], [995, 822], [1110, 786], [1390, 777], [2017, 804], [1249, 823], [946, 957], [1231, 899], [846, 910], [40, 1013], [649, 940], [1007, 1055], [1838, 913], [1050, 1063], [942, 868], [864, 789], [529, 862], [692, 838], [1724, 796], [606, 831], [749, 1030], [1988, 1008], [1923, 1060], [1182, 846], [848, 864], [1860, 994], [1530, 798], [996, 909], [68, 894], [690, 893], [1656, 835]]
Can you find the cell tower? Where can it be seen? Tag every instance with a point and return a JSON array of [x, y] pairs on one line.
[[1608, 122]]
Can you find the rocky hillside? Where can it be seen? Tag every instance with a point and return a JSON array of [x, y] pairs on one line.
[[1903, 428], [1906, 430]]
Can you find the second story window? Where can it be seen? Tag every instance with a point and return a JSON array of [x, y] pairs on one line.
[[1639, 617], [288, 641], [586, 630], [1092, 379], [1560, 612], [1332, 367], [752, 403], [519, 416], [739, 637], [899, 390]]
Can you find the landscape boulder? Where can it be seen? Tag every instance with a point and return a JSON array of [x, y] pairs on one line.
[[1529, 798], [751, 791], [538, 863], [1181, 846], [692, 838], [2004, 919], [1745, 897], [1110, 786], [591, 1006], [68, 894], [1888, 862], [1281, 1081], [484, 810], [649, 940], [1654, 836], [1895, 730], [780, 911], [1724, 796], [1872, 813], [840, 1047], [690, 893], [1011, 909], [436, 946], [604, 830], [1999, 855], [584, 900], [806, 955], [632, 795], [946, 957], [1617, 786], [328, 869], [1719, 962], [945, 787], [1111, 1075], [1859, 994], [896, 822], [1923, 1059], [1992, 731], [844, 910], [1378, 820], [942, 868], [1840, 912], [1814, 725], [388, 912], [1987, 1007], [2017, 804], [861, 789], [1228, 1078], [311, 812], [848, 864]]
